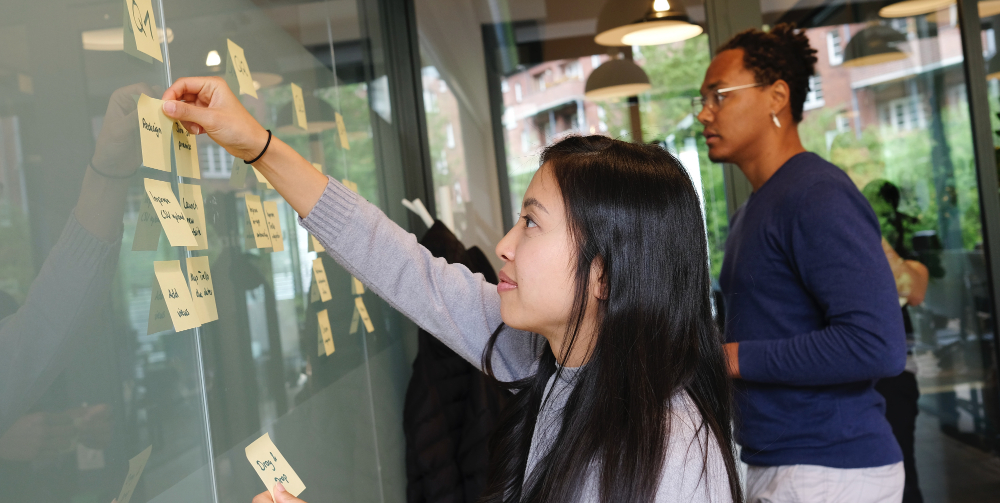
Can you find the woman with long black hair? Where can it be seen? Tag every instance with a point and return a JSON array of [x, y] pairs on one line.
[[601, 323]]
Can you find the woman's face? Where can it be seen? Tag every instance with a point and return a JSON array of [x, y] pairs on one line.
[[537, 280]]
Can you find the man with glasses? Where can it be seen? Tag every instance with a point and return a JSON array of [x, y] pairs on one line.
[[812, 312]]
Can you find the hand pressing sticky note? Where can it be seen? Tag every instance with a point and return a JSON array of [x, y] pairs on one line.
[[154, 133], [325, 332], [342, 131], [359, 305], [147, 228], [271, 466], [299, 106], [319, 273], [169, 211], [202, 290], [185, 152], [261, 237], [238, 72], [238, 174], [194, 211], [141, 34], [274, 225], [135, 467], [176, 294]]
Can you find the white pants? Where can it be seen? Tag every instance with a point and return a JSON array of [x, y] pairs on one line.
[[821, 484]]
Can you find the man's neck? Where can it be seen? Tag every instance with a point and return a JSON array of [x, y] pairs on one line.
[[770, 156]]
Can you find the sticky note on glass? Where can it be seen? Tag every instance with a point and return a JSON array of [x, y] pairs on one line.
[[159, 313], [258, 225], [237, 72], [271, 466], [185, 152], [299, 106], [324, 331], [170, 280], [169, 211], [313, 291], [319, 273], [260, 178], [194, 211], [154, 133], [202, 291], [315, 245], [357, 287], [141, 33], [318, 166], [238, 175], [135, 467], [359, 306], [147, 228], [342, 131], [274, 225]]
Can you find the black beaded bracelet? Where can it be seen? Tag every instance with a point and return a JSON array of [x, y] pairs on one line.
[[262, 151], [113, 177]]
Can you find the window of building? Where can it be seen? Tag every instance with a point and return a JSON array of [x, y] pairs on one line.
[[504, 86], [517, 92], [835, 48], [540, 80], [814, 98], [449, 133]]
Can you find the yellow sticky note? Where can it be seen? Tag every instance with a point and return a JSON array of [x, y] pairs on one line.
[[154, 133], [147, 228], [176, 294], [315, 245], [355, 318], [271, 466], [237, 68], [342, 131], [238, 174], [185, 152], [202, 291], [145, 33], [274, 225], [314, 291], [262, 238], [159, 313], [299, 106], [357, 287], [194, 210], [324, 331], [171, 215], [318, 166], [359, 304], [260, 178], [320, 275], [135, 467]]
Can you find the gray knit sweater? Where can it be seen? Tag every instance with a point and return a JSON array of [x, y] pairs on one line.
[[462, 310]]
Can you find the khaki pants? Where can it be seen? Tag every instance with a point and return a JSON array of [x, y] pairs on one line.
[[821, 484]]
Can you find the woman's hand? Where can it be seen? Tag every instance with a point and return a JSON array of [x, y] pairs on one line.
[[280, 496], [206, 105]]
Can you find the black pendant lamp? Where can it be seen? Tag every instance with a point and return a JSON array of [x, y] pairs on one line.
[[873, 45]]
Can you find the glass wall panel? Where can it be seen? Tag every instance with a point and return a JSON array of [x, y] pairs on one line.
[[899, 126]]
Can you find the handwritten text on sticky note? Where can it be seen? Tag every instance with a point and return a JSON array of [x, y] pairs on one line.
[[135, 467], [274, 225], [271, 466], [258, 224], [325, 332], [176, 294], [202, 290], [169, 211], [193, 206], [154, 133], [319, 273]]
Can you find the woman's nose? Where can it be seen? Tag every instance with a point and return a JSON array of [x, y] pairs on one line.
[[505, 248]]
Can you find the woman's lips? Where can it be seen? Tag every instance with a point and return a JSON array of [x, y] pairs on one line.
[[506, 284]]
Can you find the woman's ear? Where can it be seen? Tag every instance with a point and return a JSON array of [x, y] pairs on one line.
[[598, 285]]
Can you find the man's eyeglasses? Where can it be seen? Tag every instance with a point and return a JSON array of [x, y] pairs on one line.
[[715, 98]]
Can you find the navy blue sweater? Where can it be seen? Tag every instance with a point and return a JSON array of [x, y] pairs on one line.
[[812, 302]]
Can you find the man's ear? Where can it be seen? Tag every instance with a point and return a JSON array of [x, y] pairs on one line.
[[780, 95], [598, 283]]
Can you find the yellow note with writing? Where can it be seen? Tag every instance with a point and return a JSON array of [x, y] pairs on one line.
[[169, 211], [135, 467], [320, 274], [325, 332], [342, 131], [147, 228], [176, 294], [238, 174], [261, 178], [141, 27], [154, 133], [359, 304], [261, 237], [185, 152], [202, 291], [159, 313], [237, 70], [315, 245], [274, 225], [193, 206], [299, 106], [271, 466], [357, 287]]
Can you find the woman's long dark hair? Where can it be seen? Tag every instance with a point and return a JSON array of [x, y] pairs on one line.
[[633, 209]]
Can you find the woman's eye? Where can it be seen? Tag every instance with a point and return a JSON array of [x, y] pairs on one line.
[[528, 222]]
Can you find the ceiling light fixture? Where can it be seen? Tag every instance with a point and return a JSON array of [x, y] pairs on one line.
[[616, 78], [641, 22]]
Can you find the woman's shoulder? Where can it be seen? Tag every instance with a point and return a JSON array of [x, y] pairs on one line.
[[694, 468]]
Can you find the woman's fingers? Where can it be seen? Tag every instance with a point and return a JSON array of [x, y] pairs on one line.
[[206, 105], [264, 497], [282, 496]]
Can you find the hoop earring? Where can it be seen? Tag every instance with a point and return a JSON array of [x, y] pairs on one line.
[[775, 119]]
